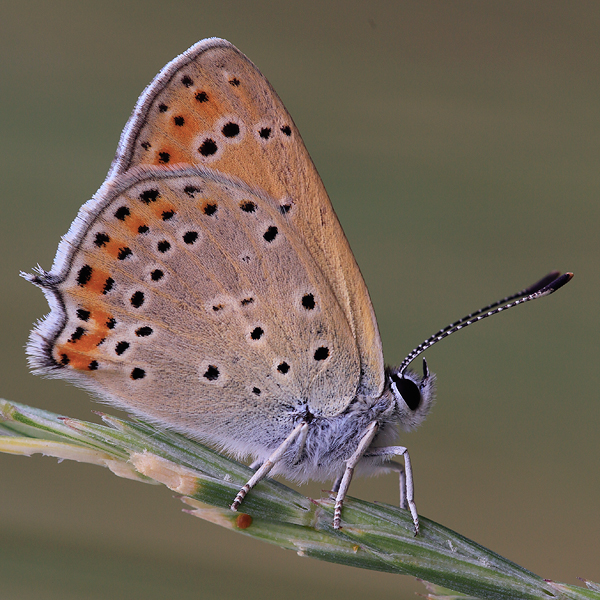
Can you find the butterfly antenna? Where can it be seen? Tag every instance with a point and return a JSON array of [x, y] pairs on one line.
[[544, 287]]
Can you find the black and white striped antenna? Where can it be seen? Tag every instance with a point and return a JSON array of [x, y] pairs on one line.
[[544, 287]]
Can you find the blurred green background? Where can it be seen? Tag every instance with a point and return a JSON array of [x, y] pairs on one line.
[[460, 144]]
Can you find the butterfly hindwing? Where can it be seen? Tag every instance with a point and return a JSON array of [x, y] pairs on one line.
[[189, 299]]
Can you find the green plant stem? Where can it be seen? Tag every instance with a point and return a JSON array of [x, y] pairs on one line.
[[373, 536]]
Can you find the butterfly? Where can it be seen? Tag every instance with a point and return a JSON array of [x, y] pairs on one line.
[[208, 287]]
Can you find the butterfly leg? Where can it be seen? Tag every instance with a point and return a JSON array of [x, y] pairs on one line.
[[264, 469], [407, 490], [301, 441], [336, 485], [351, 463]]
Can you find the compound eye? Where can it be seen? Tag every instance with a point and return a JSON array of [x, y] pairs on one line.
[[410, 392]]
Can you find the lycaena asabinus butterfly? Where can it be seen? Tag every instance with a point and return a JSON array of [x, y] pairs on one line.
[[208, 287]]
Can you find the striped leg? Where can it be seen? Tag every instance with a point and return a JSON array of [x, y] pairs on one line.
[[264, 469], [351, 463], [407, 490]]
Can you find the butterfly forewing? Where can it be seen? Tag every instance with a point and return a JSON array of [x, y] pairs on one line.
[[213, 108]]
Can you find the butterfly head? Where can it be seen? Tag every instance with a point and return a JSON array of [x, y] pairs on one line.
[[413, 395]]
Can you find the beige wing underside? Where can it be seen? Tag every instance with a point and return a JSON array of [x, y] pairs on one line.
[[212, 85], [190, 299], [170, 297]]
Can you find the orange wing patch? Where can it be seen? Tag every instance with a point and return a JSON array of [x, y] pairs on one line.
[[80, 350]]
